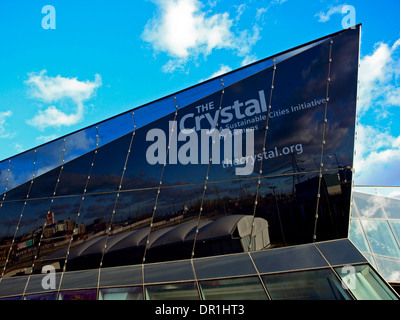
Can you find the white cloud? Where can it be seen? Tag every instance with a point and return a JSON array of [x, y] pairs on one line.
[[183, 31], [44, 139], [3, 116], [223, 69], [377, 73], [60, 90], [377, 159], [324, 17]]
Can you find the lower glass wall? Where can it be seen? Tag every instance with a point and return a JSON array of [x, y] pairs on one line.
[[364, 283], [172, 291], [90, 294], [305, 285], [248, 288], [128, 293]]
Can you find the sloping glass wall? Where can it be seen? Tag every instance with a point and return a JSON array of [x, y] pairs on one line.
[[110, 191]]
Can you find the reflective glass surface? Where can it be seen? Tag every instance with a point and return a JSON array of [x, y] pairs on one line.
[[123, 276], [286, 259], [4, 171], [21, 169], [340, 252], [49, 156], [79, 143], [108, 166], [358, 237], [168, 272], [78, 295], [128, 293], [224, 266], [381, 238], [42, 296], [74, 175], [248, 288], [173, 291], [365, 284], [305, 285], [114, 128]]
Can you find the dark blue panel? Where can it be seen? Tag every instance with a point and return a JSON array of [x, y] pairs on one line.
[[124, 276], [79, 279], [224, 266], [288, 259], [109, 165], [340, 252], [12, 286], [168, 272]]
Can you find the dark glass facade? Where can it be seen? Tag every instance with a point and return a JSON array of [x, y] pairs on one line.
[[173, 180]]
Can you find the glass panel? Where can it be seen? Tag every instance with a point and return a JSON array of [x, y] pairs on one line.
[[395, 227], [128, 293], [35, 283], [187, 157], [305, 285], [194, 94], [172, 291], [392, 208], [21, 169], [78, 295], [79, 143], [108, 166], [233, 289], [45, 185], [154, 111], [168, 272], [224, 266], [49, 156], [142, 171], [20, 192], [341, 112], [365, 284], [115, 128], [358, 237], [74, 176], [9, 216], [42, 296], [79, 279], [4, 165], [389, 268], [28, 235], [121, 276], [12, 298], [291, 258], [12, 286], [340, 252], [94, 220], [57, 235], [381, 238], [369, 206]]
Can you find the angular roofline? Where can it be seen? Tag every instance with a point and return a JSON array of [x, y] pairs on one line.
[[188, 88]]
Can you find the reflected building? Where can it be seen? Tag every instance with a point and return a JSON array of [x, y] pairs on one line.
[[165, 201]]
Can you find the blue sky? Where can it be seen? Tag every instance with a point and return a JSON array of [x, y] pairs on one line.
[[106, 57]]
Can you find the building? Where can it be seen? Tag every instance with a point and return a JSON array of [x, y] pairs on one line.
[[241, 182]]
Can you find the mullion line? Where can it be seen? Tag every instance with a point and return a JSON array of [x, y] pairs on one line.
[[77, 216], [208, 170], [115, 204], [20, 217], [323, 142], [262, 159], [45, 223]]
